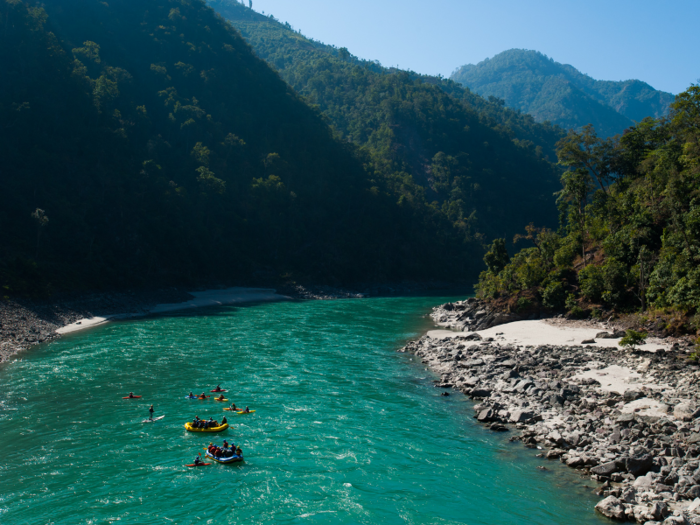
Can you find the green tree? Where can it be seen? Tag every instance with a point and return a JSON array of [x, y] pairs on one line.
[[497, 257]]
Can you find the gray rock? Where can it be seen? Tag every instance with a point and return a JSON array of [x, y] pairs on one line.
[[520, 416], [631, 395], [588, 342], [606, 469], [556, 399], [575, 462], [480, 392], [611, 507], [693, 492], [639, 466], [686, 411], [643, 482], [485, 415], [675, 520]]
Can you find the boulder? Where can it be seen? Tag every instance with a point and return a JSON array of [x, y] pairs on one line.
[[675, 520], [632, 395], [480, 392], [693, 492], [555, 437], [555, 453], [520, 416], [588, 342], [575, 462], [606, 469], [685, 411], [643, 482], [485, 415], [556, 399], [611, 507], [627, 417], [639, 466]]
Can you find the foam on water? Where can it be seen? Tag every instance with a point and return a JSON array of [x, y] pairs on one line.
[[346, 429]]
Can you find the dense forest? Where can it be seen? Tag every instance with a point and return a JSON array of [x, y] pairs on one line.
[[145, 144], [485, 167], [559, 93], [629, 239]]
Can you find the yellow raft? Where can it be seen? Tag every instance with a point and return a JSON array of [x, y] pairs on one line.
[[190, 428], [217, 399]]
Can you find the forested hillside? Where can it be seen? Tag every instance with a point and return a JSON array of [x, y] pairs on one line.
[[484, 166], [630, 234], [145, 144], [550, 91]]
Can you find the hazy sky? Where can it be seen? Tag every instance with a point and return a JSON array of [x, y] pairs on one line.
[[654, 41]]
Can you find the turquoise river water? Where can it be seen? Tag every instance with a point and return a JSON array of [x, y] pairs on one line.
[[347, 430]]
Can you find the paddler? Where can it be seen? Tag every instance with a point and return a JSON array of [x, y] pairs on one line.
[[233, 408], [247, 410], [150, 411], [191, 396], [221, 397], [218, 388], [203, 396], [197, 461], [224, 421], [131, 395]]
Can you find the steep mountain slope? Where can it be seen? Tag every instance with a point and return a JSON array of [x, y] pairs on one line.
[[559, 93], [630, 234], [145, 144], [481, 164]]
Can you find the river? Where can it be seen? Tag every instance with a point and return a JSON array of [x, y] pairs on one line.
[[346, 430]]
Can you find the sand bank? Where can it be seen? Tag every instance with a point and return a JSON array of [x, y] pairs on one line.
[[540, 332], [228, 296]]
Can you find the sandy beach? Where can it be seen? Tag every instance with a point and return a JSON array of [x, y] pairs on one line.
[[207, 298]]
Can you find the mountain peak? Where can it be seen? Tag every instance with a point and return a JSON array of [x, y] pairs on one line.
[[534, 83]]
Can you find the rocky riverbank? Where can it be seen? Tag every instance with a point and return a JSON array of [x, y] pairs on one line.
[[627, 419], [24, 323]]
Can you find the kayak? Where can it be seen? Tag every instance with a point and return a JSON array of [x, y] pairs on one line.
[[228, 409], [133, 397], [202, 398], [219, 391], [242, 412], [200, 465], [220, 428], [232, 459], [188, 397], [217, 399], [152, 420]]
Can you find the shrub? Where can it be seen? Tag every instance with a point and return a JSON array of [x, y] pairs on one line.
[[591, 281], [578, 313], [523, 304], [633, 339], [554, 296]]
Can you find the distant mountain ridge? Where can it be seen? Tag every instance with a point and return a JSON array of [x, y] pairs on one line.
[[487, 168], [549, 91]]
